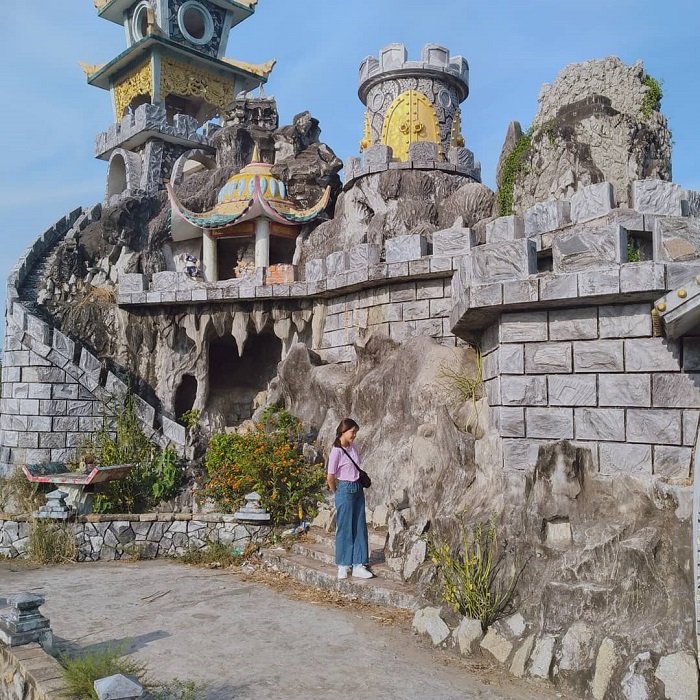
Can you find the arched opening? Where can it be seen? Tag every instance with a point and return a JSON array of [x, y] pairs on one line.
[[185, 395], [234, 381], [138, 101], [116, 180]]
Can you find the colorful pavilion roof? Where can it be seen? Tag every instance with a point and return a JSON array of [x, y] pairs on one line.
[[252, 193]]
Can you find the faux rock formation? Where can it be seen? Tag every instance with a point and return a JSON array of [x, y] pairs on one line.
[[599, 121]]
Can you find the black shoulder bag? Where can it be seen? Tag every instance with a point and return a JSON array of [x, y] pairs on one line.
[[364, 479]]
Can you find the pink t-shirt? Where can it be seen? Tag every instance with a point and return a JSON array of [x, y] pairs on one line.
[[340, 465]]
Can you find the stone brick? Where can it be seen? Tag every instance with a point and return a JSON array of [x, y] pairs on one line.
[[657, 197], [65, 423], [39, 391], [523, 327], [599, 424], [599, 282], [582, 249], [79, 408], [486, 295], [497, 262], [623, 458], [336, 263], [65, 391], [453, 241], [598, 356], [681, 274], [440, 308], [52, 407], [625, 390], [520, 291], [690, 427], [573, 324], [676, 390], [550, 423], [505, 228], [405, 248], [511, 359], [493, 391], [523, 391], [563, 286], [40, 424], [592, 201], [661, 425], [572, 390], [520, 455], [422, 151], [635, 277], [691, 354], [49, 440], [543, 358], [511, 421], [414, 310], [672, 462], [403, 292], [431, 289], [652, 355], [89, 363], [430, 326], [363, 255], [625, 321], [38, 329], [546, 216]]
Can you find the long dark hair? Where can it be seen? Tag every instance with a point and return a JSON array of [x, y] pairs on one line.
[[343, 426]]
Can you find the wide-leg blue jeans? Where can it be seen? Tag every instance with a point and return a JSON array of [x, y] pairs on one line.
[[351, 527]]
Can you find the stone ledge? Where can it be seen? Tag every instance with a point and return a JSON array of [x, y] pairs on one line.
[[40, 671]]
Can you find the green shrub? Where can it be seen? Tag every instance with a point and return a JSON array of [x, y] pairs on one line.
[[214, 553], [155, 476], [190, 419], [652, 97], [50, 542], [512, 167], [268, 460], [82, 670], [471, 582]]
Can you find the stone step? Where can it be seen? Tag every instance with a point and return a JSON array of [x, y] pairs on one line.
[[379, 591], [375, 537], [324, 552]]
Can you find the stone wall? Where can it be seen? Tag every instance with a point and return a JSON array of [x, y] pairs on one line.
[[149, 535], [29, 673], [594, 375]]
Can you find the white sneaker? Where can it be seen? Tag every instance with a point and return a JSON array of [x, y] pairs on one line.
[[359, 571], [343, 572]]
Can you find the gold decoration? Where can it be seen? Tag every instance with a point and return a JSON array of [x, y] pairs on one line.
[[682, 293], [99, 4], [656, 327], [456, 138], [409, 119], [137, 82], [90, 68], [261, 69], [366, 141], [186, 80], [661, 306]]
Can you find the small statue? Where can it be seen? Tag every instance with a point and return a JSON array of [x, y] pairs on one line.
[[191, 265]]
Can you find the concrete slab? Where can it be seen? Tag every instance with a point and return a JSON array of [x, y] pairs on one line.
[[243, 639]]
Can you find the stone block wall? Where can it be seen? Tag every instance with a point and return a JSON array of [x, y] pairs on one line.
[[596, 376], [29, 673], [149, 535]]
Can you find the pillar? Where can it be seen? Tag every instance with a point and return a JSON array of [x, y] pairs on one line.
[[262, 243], [210, 259]]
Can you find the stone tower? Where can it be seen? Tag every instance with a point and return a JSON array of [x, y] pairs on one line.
[[413, 112], [170, 81]]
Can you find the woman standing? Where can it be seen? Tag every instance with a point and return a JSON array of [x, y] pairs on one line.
[[351, 549]]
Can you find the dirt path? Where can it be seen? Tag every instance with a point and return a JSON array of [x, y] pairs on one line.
[[253, 637]]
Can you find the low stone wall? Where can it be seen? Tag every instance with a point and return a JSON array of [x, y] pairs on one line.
[[149, 535], [29, 673]]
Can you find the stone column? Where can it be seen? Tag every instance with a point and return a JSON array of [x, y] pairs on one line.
[[262, 243], [210, 259]]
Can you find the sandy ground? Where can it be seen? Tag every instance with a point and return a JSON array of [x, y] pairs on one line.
[[253, 637]]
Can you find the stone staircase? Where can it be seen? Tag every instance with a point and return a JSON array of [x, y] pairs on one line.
[[311, 560]]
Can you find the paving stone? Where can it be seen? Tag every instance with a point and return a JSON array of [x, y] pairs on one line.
[[672, 462], [652, 355], [679, 674], [572, 390], [663, 424], [543, 358], [625, 390], [598, 356], [625, 321], [524, 391], [550, 423], [542, 656], [497, 645], [606, 662], [623, 458], [573, 324]]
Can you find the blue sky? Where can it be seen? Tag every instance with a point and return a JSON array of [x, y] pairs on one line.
[[49, 115]]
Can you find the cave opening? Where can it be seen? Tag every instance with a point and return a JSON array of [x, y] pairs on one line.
[[185, 395]]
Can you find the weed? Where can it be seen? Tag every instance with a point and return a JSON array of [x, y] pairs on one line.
[[82, 670], [51, 543], [17, 491], [651, 101], [214, 554], [178, 690], [190, 419], [634, 253], [512, 167], [471, 581], [468, 387]]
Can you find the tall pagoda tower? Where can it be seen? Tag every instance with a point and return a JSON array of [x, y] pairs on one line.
[[171, 80]]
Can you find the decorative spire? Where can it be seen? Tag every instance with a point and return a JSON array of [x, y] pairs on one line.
[[256, 154]]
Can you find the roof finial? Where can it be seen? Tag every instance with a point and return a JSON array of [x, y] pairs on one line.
[[256, 154]]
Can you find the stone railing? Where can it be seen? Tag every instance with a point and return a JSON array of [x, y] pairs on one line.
[[149, 535]]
